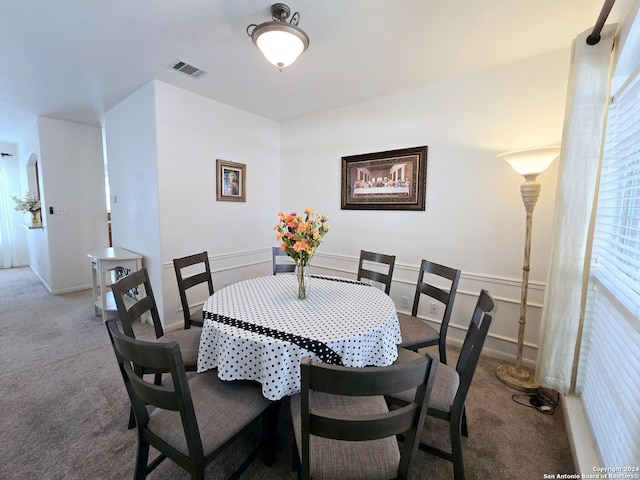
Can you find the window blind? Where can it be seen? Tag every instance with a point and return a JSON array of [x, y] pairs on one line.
[[609, 364]]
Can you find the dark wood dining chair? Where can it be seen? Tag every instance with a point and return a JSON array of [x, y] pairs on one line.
[[133, 306], [196, 419], [341, 420], [452, 385], [377, 267], [192, 271], [416, 333], [278, 266]]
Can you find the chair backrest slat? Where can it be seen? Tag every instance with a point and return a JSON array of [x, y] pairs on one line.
[[196, 279], [372, 427], [366, 381], [384, 275], [132, 307], [425, 287], [281, 267], [158, 395], [188, 277], [429, 274]]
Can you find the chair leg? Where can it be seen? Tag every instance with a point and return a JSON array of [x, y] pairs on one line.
[[295, 460], [455, 428], [142, 459], [198, 471]]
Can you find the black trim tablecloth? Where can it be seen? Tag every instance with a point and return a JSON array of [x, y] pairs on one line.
[[259, 330]]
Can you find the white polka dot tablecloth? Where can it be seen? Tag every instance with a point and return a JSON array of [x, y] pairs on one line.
[[259, 330]]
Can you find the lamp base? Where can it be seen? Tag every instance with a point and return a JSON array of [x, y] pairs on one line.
[[516, 378]]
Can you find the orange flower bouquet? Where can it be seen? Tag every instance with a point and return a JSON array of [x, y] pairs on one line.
[[299, 237]]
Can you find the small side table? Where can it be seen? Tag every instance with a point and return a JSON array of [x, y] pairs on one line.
[[103, 262]]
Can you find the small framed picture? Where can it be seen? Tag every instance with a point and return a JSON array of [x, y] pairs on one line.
[[392, 180], [231, 182]]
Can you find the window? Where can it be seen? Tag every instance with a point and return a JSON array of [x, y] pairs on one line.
[[609, 366]]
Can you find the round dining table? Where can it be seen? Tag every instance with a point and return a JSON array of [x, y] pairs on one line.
[[259, 330]]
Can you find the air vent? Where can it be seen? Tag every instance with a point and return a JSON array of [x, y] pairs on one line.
[[187, 69]]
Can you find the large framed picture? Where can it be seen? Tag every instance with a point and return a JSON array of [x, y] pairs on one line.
[[392, 180], [231, 182]]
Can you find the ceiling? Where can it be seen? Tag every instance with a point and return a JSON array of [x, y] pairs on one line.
[[74, 60]]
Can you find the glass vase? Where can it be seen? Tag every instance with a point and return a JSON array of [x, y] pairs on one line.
[[34, 218], [302, 278]]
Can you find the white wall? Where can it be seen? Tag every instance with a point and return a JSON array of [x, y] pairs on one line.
[[72, 167], [37, 241], [130, 132], [162, 146], [474, 218], [192, 132], [71, 173]]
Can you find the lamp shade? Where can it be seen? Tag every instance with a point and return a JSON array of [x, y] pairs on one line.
[[531, 162], [281, 43]]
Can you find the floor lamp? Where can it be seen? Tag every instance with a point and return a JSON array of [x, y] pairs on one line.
[[530, 164]]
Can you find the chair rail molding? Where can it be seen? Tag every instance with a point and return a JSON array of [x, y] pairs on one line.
[[501, 341]]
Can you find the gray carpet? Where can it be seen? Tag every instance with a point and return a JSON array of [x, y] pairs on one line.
[[65, 409]]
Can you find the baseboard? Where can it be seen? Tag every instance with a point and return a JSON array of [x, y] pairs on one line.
[[37, 274], [71, 289], [173, 327]]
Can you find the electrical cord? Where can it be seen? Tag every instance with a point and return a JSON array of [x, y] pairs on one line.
[[541, 400]]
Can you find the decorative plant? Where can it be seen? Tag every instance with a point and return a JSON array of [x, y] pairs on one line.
[[299, 237], [31, 204]]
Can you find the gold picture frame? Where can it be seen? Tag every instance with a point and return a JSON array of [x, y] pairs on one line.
[[231, 181]]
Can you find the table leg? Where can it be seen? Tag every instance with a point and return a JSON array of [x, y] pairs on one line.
[[103, 294], [94, 290]]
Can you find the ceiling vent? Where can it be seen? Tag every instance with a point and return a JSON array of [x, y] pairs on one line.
[[187, 69]]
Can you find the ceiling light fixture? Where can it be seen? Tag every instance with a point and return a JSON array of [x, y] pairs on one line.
[[281, 42]]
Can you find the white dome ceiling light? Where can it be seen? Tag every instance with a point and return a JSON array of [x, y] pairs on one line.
[[281, 42]]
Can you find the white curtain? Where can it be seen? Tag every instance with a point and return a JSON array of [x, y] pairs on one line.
[[587, 100], [8, 256]]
